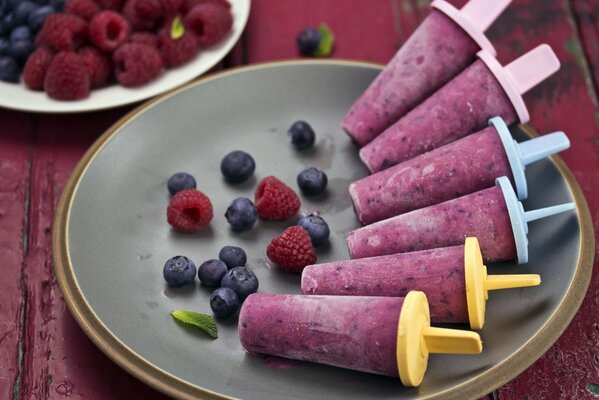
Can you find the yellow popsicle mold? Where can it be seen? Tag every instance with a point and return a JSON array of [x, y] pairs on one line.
[[478, 283], [416, 339]]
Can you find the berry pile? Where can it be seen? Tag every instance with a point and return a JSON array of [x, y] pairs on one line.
[[233, 281], [94, 42], [19, 22]]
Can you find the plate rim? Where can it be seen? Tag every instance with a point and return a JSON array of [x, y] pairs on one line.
[[73, 107], [173, 386]]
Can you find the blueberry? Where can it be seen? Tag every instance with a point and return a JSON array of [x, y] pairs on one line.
[[23, 10], [302, 135], [223, 302], [241, 214], [317, 228], [233, 256], [180, 181], [211, 272], [237, 166], [3, 31], [179, 271], [9, 22], [308, 41], [4, 45], [21, 49], [312, 181], [37, 17], [21, 33], [9, 69], [242, 281]]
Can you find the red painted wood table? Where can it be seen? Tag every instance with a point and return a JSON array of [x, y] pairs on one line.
[[43, 352]]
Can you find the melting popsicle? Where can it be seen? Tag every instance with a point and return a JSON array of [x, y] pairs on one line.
[[493, 215], [464, 105], [381, 335], [456, 169], [454, 280], [443, 45]]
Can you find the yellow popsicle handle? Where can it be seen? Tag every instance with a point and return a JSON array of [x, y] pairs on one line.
[[416, 339], [495, 282], [451, 341], [478, 283]]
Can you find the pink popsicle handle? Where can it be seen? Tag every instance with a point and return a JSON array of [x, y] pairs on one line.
[[482, 13], [532, 68]]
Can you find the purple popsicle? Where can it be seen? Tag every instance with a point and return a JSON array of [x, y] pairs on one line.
[[492, 215], [462, 167], [443, 45], [381, 335], [445, 275], [464, 105]]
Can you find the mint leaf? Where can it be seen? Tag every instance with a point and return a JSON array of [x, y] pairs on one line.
[[177, 29], [203, 321], [327, 41]]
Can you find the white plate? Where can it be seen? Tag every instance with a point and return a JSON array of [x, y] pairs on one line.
[[18, 97]]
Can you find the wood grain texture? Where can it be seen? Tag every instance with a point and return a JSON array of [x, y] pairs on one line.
[[37, 154]]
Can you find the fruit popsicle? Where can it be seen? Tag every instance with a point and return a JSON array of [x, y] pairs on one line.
[[464, 105], [381, 335], [465, 166], [493, 215], [443, 45], [454, 280]]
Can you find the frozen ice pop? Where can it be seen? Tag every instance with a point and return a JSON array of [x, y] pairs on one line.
[[381, 335], [454, 280], [465, 166], [443, 45], [464, 105], [493, 215]]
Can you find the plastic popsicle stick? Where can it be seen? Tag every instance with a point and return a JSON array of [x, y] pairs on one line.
[[451, 341], [520, 155], [533, 215], [497, 282], [522, 74], [530, 69], [482, 13], [416, 339], [541, 147]]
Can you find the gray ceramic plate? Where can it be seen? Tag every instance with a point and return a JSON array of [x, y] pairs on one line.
[[111, 241]]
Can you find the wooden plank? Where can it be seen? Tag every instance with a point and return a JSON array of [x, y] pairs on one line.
[[364, 30], [567, 102], [16, 136], [586, 16]]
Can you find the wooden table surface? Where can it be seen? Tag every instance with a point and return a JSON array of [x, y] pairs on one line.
[[43, 352]]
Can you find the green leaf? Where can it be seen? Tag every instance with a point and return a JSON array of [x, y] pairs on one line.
[[327, 41], [177, 29], [203, 321]]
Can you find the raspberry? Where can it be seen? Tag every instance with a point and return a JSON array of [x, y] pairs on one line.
[[176, 51], [189, 4], [136, 64], [62, 32], [275, 200], [171, 7], [98, 66], [67, 78], [85, 9], [189, 211], [210, 22], [110, 4], [138, 22], [36, 68], [292, 251], [151, 9], [108, 30], [145, 38]]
